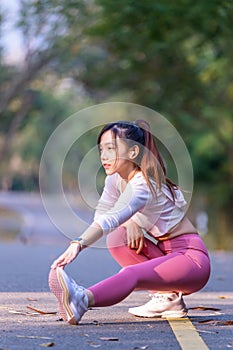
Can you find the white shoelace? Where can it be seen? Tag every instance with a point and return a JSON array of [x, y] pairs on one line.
[[159, 298]]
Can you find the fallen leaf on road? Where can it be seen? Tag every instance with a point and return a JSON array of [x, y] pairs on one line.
[[32, 337], [218, 322], [209, 332], [207, 321], [204, 308], [48, 345], [93, 344], [109, 339], [41, 312], [23, 313], [32, 299], [84, 335], [225, 323]]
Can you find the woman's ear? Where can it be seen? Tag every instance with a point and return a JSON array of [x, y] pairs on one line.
[[133, 152]]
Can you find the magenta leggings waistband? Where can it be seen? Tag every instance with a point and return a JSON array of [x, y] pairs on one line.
[[180, 264]]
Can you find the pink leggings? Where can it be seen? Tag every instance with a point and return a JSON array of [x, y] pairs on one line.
[[180, 264]]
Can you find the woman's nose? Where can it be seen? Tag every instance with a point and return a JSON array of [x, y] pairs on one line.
[[103, 155]]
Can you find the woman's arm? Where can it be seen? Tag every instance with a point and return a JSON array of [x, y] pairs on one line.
[[129, 202], [94, 231], [134, 198], [89, 236], [108, 197]]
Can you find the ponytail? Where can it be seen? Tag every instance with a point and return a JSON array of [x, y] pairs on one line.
[[152, 164]]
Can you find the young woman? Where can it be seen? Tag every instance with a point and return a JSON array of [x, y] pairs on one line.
[[138, 202]]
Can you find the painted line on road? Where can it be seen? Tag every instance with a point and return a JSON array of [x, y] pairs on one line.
[[186, 334]]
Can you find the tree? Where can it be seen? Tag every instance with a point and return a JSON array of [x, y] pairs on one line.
[[49, 40], [175, 57]]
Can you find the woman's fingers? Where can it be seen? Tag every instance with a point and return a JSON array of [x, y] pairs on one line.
[[132, 244], [135, 238], [130, 241], [66, 258], [140, 246], [57, 263], [137, 244]]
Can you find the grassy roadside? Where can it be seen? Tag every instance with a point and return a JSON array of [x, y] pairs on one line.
[[10, 223]]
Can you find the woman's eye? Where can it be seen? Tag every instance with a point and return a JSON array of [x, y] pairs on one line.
[[108, 148]]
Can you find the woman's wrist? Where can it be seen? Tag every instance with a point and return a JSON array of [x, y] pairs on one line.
[[89, 236], [127, 223], [79, 241]]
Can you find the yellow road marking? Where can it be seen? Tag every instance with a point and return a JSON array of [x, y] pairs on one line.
[[186, 334]]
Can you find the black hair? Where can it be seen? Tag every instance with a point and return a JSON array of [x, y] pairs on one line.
[[149, 159]]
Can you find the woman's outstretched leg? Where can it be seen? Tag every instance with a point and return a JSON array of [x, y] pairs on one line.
[[176, 272]]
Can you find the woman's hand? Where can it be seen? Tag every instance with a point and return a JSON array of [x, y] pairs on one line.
[[135, 237], [91, 235], [68, 256]]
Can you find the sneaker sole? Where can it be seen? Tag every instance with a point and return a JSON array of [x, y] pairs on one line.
[[55, 288], [65, 298], [165, 314], [173, 314], [59, 289]]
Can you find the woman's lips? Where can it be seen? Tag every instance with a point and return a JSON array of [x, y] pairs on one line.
[[106, 166]]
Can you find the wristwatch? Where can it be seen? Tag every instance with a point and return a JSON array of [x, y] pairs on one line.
[[80, 241]]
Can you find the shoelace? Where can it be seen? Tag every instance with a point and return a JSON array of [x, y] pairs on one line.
[[159, 297], [76, 286]]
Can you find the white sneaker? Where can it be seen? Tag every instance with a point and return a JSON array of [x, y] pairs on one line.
[[73, 302], [161, 305]]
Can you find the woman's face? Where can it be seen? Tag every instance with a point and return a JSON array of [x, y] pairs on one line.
[[115, 158]]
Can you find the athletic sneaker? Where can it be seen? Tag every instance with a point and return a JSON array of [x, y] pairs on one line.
[[73, 302], [161, 305]]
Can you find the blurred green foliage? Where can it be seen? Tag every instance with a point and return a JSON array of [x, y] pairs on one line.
[[174, 57]]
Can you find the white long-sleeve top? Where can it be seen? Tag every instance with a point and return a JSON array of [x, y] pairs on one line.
[[156, 214]]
